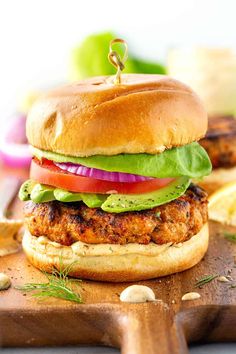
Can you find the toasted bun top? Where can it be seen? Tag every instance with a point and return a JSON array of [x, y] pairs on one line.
[[144, 114]]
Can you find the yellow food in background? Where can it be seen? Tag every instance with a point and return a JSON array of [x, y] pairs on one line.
[[211, 72], [27, 100], [222, 204]]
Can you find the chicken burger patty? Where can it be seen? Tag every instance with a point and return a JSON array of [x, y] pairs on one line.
[[67, 223], [220, 142]]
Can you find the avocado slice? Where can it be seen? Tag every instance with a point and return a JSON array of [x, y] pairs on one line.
[[65, 196], [114, 203], [93, 200], [26, 189], [90, 199], [118, 203], [42, 193]]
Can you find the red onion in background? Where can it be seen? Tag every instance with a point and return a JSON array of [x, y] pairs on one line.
[[14, 149]]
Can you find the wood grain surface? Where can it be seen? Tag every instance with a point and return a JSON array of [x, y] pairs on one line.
[[163, 327]]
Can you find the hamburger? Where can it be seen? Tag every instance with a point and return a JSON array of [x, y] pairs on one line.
[[220, 144], [110, 190]]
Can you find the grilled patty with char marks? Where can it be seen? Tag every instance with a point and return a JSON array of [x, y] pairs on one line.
[[220, 141], [67, 223]]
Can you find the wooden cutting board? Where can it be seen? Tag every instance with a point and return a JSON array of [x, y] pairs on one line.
[[162, 327]]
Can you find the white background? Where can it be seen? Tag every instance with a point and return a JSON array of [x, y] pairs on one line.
[[36, 36]]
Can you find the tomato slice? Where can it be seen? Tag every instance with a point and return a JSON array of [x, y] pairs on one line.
[[46, 172]]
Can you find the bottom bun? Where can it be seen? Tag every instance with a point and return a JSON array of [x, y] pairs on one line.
[[217, 179], [116, 263]]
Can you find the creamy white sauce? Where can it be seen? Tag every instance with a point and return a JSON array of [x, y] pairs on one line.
[[105, 249], [137, 293], [191, 296]]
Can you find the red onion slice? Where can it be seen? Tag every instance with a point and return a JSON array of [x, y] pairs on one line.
[[14, 150], [101, 174]]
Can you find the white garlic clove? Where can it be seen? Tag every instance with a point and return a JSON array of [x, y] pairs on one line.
[[137, 293]]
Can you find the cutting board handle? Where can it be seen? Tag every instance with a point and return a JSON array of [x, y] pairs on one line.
[[150, 329]]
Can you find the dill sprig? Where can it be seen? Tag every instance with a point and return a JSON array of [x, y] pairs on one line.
[[230, 236], [58, 285], [205, 279]]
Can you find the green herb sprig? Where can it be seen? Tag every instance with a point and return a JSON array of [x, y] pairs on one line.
[[58, 286], [230, 236], [205, 279]]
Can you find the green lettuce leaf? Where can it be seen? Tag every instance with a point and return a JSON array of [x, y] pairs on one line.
[[90, 59], [189, 160]]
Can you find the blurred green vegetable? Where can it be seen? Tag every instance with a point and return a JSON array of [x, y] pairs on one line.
[[90, 59], [146, 67]]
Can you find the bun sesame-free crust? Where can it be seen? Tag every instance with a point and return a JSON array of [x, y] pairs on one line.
[[144, 114]]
